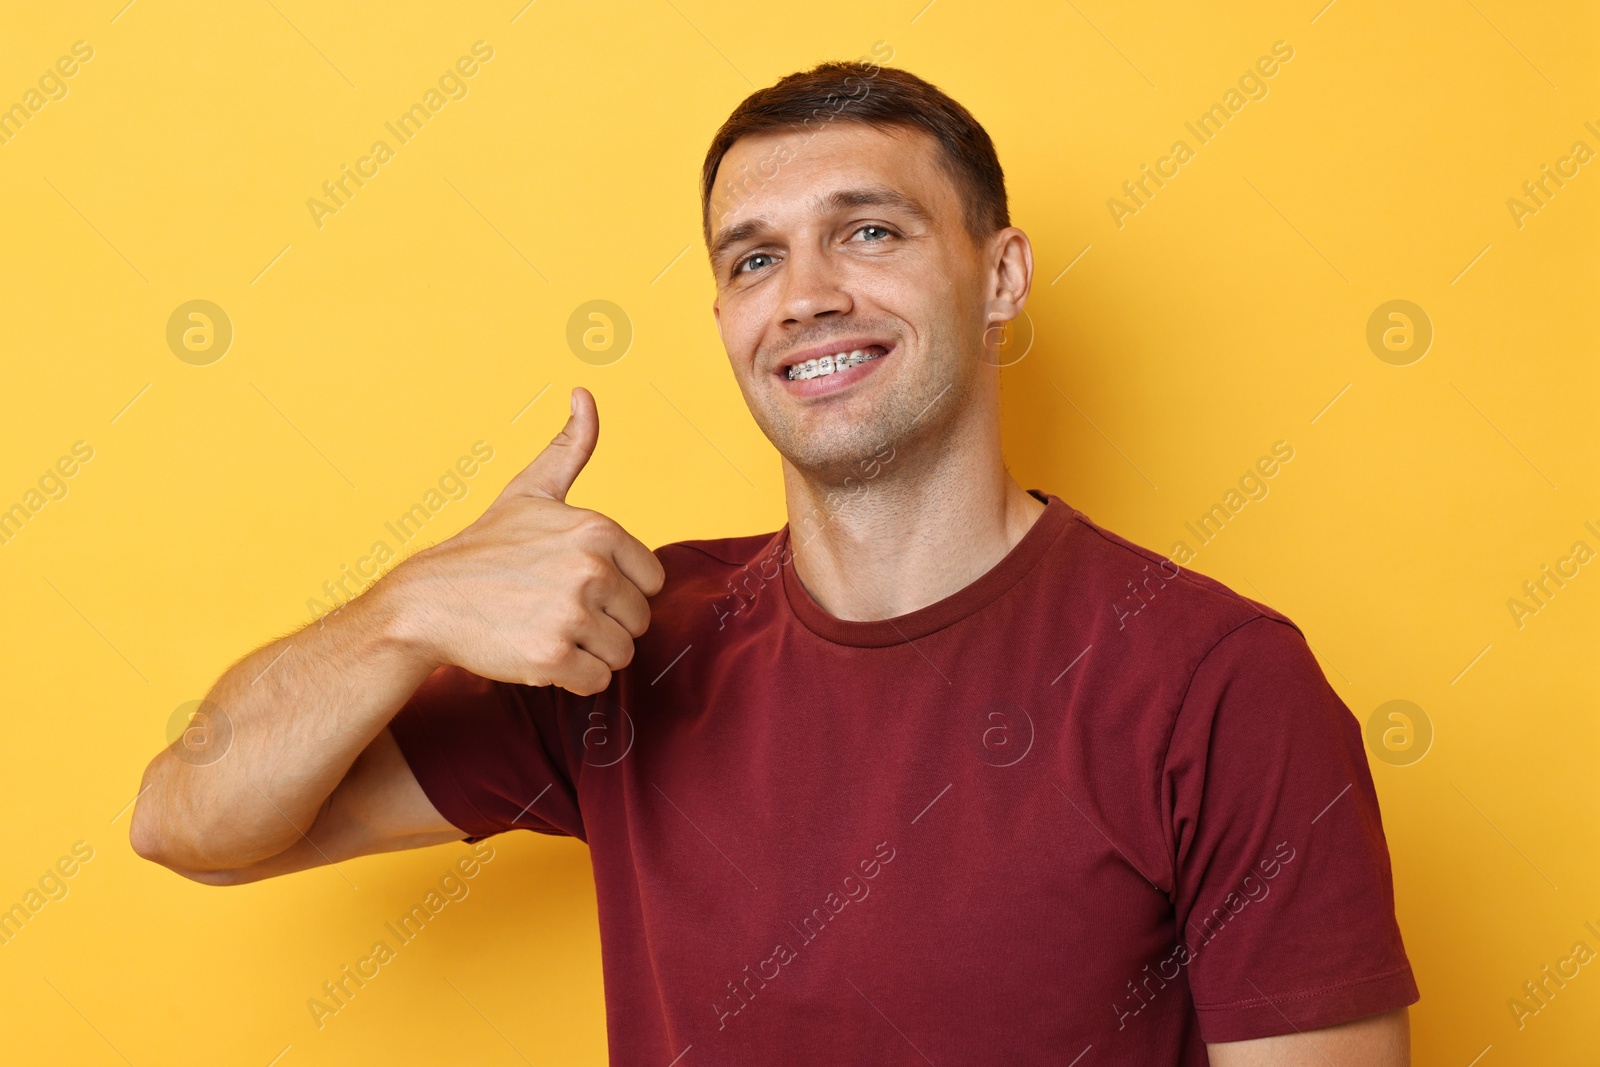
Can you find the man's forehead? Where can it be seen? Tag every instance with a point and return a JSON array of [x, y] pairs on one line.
[[822, 171]]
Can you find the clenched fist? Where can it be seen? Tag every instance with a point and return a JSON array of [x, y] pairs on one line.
[[536, 591]]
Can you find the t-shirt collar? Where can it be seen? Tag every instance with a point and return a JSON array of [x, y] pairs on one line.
[[879, 633]]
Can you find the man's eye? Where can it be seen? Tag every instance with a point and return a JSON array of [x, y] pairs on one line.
[[875, 232]]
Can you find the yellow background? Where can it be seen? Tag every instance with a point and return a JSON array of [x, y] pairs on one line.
[[370, 353]]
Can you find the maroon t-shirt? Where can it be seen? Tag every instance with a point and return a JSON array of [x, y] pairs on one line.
[[1090, 809]]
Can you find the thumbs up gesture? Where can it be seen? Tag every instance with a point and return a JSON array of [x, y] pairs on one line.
[[535, 591]]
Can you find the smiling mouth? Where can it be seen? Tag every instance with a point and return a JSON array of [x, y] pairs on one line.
[[823, 365]]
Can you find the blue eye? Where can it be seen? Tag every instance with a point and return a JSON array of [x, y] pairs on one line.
[[746, 261], [744, 266]]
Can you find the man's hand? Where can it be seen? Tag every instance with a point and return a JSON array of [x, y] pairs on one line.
[[536, 591]]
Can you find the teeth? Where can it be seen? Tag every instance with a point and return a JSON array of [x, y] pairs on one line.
[[816, 368]]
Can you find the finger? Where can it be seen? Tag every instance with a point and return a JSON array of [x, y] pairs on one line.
[[639, 565], [553, 471], [580, 672], [625, 603], [606, 640]]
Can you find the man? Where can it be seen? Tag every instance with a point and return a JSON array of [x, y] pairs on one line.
[[941, 772]]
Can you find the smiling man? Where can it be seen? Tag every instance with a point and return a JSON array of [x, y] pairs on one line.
[[906, 781]]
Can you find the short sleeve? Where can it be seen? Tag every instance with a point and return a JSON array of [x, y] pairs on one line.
[[1283, 891], [490, 755]]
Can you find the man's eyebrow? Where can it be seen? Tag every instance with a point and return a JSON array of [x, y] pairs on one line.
[[838, 200]]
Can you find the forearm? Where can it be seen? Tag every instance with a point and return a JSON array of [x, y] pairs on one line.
[[300, 711], [375, 808]]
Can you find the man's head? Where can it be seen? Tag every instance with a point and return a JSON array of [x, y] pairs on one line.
[[856, 208]]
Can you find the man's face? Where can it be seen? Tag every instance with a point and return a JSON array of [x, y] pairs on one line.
[[848, 239]]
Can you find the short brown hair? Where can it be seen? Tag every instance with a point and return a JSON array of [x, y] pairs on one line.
[[881, 97]]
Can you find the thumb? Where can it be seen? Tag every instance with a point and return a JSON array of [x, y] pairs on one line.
[[553, 471]]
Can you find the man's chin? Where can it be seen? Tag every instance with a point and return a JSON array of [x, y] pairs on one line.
[[840, 454], [850, 438]]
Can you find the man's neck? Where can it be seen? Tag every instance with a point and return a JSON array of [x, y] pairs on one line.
[[888, 545]]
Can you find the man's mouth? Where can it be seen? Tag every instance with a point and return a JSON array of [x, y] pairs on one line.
[[824, 365]]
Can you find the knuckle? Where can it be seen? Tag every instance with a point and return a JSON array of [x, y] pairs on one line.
[[546, 653], [571, 618], [589, 570], [594, 525]]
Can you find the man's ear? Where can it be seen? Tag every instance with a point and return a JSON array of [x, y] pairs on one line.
[[1010, 273], [1010, 277]]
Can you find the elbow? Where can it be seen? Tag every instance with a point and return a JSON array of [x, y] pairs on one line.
[[148, 845], [143, 835], [150, 841]]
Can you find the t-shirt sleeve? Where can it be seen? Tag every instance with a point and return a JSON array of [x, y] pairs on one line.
[[490, 755], [1283, 891]]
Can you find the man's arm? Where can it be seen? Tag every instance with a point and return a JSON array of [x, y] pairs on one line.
[[296, 716], [535, 592], [376, 807], [1377, 1041]]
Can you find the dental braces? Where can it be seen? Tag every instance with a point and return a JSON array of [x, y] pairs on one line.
[[816, 368]]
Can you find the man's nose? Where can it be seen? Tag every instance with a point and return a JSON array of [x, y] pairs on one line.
[[812, 288]]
